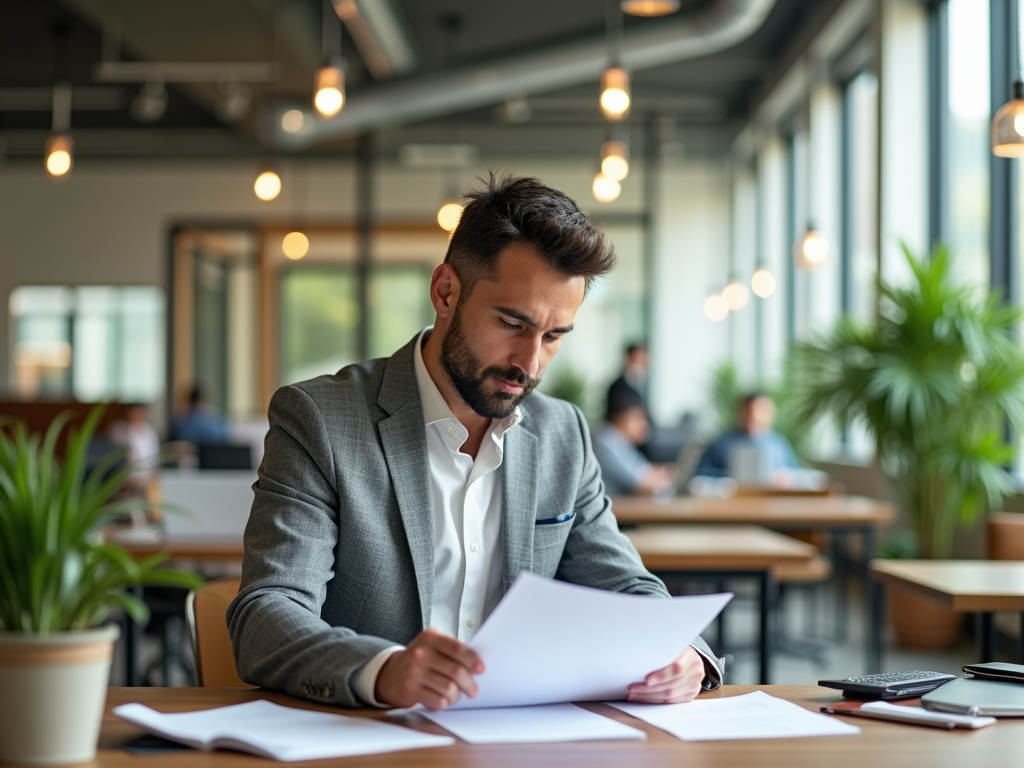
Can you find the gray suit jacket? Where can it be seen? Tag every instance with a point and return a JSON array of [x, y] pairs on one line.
[[339, 547]]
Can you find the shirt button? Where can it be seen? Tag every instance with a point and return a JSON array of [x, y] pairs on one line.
[[474, 547], [453, 431], [469, 623]]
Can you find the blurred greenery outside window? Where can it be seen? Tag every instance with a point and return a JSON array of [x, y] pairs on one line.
[[91, 342], [320, 315]]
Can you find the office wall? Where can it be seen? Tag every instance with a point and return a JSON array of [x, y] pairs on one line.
[[109, 224]]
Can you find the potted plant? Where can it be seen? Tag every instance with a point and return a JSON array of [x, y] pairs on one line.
[[59, 581], [936, 381]]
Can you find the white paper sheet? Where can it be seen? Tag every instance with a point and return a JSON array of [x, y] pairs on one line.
[[281, 733], [551, 642], [550, 722], [751, 716]]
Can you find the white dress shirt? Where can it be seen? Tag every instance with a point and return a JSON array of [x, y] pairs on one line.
[[466, 499]]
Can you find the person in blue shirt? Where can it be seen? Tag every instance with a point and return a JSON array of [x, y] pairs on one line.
[[200, 423], [757, 415], [624, 469]]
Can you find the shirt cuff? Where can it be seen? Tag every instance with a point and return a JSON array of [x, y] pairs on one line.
[[713, 676], [364, 681]]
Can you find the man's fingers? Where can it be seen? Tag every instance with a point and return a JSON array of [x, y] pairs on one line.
[[458, 651], [453, 670], [441, 685], [674, 695]]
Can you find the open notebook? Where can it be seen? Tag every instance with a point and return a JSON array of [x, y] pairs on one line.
[[280, 733]]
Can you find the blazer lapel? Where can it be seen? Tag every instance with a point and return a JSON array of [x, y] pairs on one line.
[[518, 502], [404, 440]]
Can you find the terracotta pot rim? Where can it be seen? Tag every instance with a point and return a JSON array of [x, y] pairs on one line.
[[64, 637]]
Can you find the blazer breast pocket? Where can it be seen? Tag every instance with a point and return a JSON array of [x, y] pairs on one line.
[[549, 537]]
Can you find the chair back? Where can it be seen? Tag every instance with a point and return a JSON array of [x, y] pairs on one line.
[[1006, 536], [211, 645]]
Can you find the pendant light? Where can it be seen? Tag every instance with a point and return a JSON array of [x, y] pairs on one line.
[[648, 8], [58, 156], [268, 182], [716, 308], [811, 250], [735, 294], [1008, 126], [329, 84], [615, 98], [295, 245], [762, 283], [615, 159], [450, 213], [605, 188]]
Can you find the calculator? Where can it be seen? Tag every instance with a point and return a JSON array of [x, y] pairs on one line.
[[889, 685]]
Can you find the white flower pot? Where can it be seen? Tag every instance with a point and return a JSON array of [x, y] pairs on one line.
[[52, 692]]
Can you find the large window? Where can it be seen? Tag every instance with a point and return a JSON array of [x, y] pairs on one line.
[[860, 198], [967, 163], [91, 343]]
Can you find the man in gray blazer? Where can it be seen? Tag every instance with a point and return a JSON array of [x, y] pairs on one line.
[[399, 499]]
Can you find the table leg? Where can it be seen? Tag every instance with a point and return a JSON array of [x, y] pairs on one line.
[[840, 581], [986, 638], [768, 600], [876, 599], [132, 646]]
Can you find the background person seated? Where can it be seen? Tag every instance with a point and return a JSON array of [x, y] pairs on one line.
[[756, 416], [199, 423], [624, 468]]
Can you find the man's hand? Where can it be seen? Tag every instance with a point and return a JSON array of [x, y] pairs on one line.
[[679, 681], [434, 670]]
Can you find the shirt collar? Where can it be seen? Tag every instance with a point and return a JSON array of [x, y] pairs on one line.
[[435, 408]]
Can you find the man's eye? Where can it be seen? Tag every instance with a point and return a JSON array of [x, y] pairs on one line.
[[507, 324]]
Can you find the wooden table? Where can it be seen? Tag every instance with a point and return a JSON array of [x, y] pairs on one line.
[[839, 515], [975, 586], [725, 552], [879, 745]]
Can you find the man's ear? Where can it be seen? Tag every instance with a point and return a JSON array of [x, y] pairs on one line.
[[445, 289]]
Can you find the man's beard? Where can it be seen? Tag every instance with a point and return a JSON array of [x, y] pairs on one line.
[[462, 366]]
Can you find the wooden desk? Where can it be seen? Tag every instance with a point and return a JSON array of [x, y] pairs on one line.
[[716, 552], [880, 744], [839, 515], [976, 586]]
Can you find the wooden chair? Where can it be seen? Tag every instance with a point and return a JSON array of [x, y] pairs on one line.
[[211, 646], [1006, 536]]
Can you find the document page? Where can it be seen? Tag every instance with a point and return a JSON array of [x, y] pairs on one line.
[[551, 722], [281, 733], [550, 642], [751, 716]]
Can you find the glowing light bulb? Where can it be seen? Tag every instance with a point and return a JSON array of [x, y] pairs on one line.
[[59, 157], [649, 7], [736, 295], [615, 93], [295, 245], [605, 188], [329, 96], [267, 185], [449, 215], [715, 307], [614, 160], [811, 250], [763, 282]]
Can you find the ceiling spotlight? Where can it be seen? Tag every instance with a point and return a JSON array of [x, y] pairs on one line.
[[59, 156], [234, 102], [293, 121], [329, 96], [267, 185], [615, 160], [605, 188], [716, 308], [295, 245], [811, 250], [615, 93], [649, 7], [151, 103], [736, 295], [449, 215], [763, 282], [1008, 126]]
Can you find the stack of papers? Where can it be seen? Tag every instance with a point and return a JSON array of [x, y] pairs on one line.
[[509, 725], [280, 733], [751, 716]]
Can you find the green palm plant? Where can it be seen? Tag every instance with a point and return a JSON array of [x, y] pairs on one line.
[[937, 381], [56, 572]]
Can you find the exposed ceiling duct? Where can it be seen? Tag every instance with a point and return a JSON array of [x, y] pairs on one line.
[[379, 36], [720, 26]]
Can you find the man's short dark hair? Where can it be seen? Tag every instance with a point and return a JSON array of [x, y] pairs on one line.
[[621, 402], [751, 396], [634, 347], [518, 209]]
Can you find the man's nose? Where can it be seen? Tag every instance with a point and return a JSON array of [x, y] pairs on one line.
[[526, 356]]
